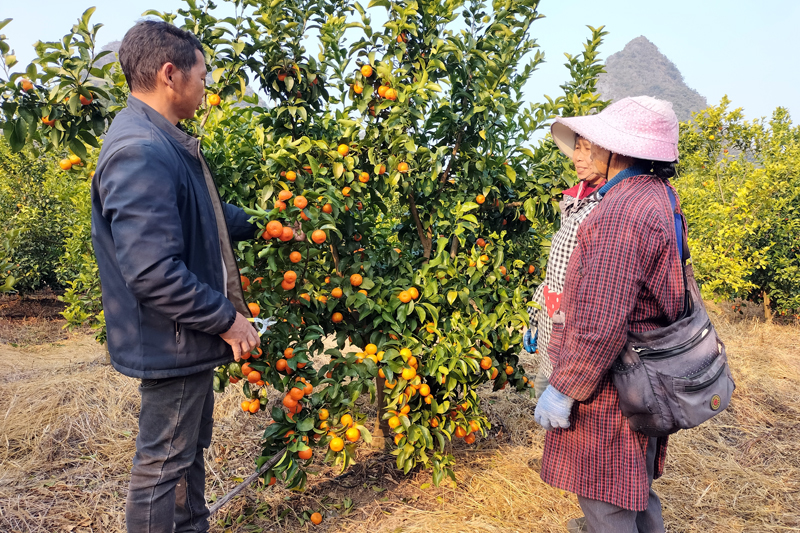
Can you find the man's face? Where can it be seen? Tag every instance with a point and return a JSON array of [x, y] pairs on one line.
[[190, 88]]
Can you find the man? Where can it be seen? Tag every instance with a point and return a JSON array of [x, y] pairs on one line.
[[173, 304]]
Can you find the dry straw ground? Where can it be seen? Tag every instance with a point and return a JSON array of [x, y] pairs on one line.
[[68, 424]]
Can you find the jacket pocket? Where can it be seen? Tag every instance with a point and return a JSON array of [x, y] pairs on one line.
[[555, 344]]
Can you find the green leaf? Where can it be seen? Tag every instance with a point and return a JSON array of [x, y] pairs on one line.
[[451, 297], [217, 74], [511, 173]]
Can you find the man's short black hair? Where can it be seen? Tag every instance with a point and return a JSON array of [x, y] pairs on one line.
[[150, 44]]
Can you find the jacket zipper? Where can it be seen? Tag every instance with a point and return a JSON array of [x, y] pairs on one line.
[[705, 384], [648, 353], [177, 333], [203, 168]]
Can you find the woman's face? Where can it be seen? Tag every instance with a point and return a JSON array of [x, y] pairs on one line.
[[582, 159]]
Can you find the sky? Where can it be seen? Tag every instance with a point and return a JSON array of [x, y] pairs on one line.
[[747, 50]]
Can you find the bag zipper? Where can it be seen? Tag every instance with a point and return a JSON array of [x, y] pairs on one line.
[[649, 353], [705, 384], [177, 333]]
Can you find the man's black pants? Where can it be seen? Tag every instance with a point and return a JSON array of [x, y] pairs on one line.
[[167, 489]]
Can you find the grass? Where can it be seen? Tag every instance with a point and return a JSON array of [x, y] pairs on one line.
[[68, 424]]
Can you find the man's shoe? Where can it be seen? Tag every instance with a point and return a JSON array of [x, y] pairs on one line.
[[577, 525]]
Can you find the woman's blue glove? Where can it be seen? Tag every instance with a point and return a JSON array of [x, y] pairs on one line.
[[553, 409], [529, 342]]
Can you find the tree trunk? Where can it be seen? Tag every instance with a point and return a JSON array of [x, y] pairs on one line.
[[767, 308], [381, 433]]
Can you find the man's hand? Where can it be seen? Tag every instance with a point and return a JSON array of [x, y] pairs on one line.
[[242, 337]]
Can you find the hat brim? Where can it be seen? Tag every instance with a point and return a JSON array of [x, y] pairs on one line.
[[564, 138], [597, 131]]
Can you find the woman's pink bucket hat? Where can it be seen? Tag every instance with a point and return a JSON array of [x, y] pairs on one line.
[[641, 127]]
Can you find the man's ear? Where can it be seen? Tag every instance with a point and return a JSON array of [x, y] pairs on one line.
[[166, 75]]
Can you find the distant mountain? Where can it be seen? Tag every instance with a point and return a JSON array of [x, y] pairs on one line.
[[641, 69]]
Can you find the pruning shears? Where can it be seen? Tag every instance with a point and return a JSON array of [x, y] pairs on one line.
[[262, 324]]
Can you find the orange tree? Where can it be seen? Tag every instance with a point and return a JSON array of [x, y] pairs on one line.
[[740, 189], [401, 212]]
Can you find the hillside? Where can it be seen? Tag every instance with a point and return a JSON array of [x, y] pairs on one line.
[[641, 69]]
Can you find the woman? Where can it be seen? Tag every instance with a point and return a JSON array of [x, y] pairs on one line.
[[575, 207], [624, 276]]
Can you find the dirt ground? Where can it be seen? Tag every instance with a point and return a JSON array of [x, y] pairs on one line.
[[68, 428]]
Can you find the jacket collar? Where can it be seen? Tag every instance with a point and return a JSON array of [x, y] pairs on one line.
[[180, 136]]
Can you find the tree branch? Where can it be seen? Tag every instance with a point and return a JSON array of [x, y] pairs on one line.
[[427, 242], [335, 254]]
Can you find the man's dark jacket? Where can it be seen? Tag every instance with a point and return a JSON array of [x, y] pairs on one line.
[[160, 232]]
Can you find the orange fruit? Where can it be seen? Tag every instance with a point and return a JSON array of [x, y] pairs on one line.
[[327, 208], [371, 349], [309, 388], [461, 432], [480, 198], [65, 164], [316, 518], [404, 297], [502, 270], [346, 191], [290, 276], [382, 91], [274, 228], [394, 422], [531, 269], [323, 414], [413, 292], [300, 202], [337, 444], [509, 370], [381, 373], [291, 175], [26, 85], [246, 405], [402, 38], [408, 374], [343, 150], [336, 317], [484, 258], [254, 376], [289, 402], [255, 405], [295, 257], [213, 99], [346, 420], [280, 365], [412, 362], [336, 292], [245, 282], [296, 394], [305, 454], [494, 373], [391, 94], [470, 439], [356, 280], [486, 363], [382, 169], [287, 234], [425, 389], [405, 353], [402, 167], [352, 434], [358, 89], [254, 308], [523, 218], [84, 100], [287, 285], [474, 426], [318, 236], [284, 195], [322, 299], [398, 438], [304, 216], [363, 177], [48, 122], [480, 242], [366, 71], [280, 205]]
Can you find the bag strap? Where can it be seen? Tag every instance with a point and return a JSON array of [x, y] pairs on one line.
[[683, 251]]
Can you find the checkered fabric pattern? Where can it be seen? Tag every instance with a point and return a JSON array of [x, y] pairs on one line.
[[573, 212], [624, 275]]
